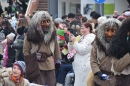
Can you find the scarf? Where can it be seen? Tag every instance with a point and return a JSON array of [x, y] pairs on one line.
[[5, 55], [17, 81]]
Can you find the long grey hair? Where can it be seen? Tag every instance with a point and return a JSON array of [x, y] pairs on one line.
[[35, 34], [100, 31]]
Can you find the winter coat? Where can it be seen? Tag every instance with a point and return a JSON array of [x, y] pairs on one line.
[[29, 48], [11, 56], [9, 82], [81, 64], [18, 46], [97, 56]]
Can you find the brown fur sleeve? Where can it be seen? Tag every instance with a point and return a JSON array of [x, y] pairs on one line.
[[93, 59], [121, 64]]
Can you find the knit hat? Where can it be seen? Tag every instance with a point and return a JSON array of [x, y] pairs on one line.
[[21, 65], [20, 30], [58, 20], [11, 36], [96, 15]]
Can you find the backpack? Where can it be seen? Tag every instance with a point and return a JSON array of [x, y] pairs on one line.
[[74, 27]]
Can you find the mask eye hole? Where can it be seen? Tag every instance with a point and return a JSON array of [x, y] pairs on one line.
[[45, 21], [48, 21]]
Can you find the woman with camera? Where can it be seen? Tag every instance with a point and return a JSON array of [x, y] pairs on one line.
[[81, 62]]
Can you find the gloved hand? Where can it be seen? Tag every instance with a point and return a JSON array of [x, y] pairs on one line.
[[102, 76], [57, 65]]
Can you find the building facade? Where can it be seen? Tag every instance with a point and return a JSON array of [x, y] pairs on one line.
[[86, 6]]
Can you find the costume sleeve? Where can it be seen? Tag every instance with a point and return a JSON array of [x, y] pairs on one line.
[[85, 46], [122, 63], [57, 53], [26, 47], [93, 59]]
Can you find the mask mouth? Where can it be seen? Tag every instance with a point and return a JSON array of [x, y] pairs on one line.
[[108, 39], [45, 29]]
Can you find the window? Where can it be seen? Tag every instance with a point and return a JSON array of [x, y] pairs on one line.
[[63, 8], [75, 8]]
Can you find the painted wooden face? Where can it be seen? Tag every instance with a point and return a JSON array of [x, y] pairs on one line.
[[45, 23], [109, 32]]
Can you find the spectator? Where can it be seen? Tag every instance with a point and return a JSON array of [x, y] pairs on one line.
[[9, 52], [10, 2], [16, 78], [84, 20], [23, 22], [18, 45], [83, 47], [115, 14], [95, 16], [71, 17], [64, 17], [6, 27], [79, 17], [91, 14]]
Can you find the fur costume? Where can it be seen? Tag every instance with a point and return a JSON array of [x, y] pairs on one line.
[[36, 30], [41, 34], [120, 51], [119, 46], [99, 52], [100, 39]]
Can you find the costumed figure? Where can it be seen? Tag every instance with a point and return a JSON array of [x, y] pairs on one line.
[[41, 32], [120, 51], [99, 53]]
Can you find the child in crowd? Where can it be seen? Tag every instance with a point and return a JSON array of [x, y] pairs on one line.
[[9, 53], [16, 78]]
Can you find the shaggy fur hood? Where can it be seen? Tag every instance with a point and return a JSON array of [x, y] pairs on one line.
[[35, 28], [100, 39]]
